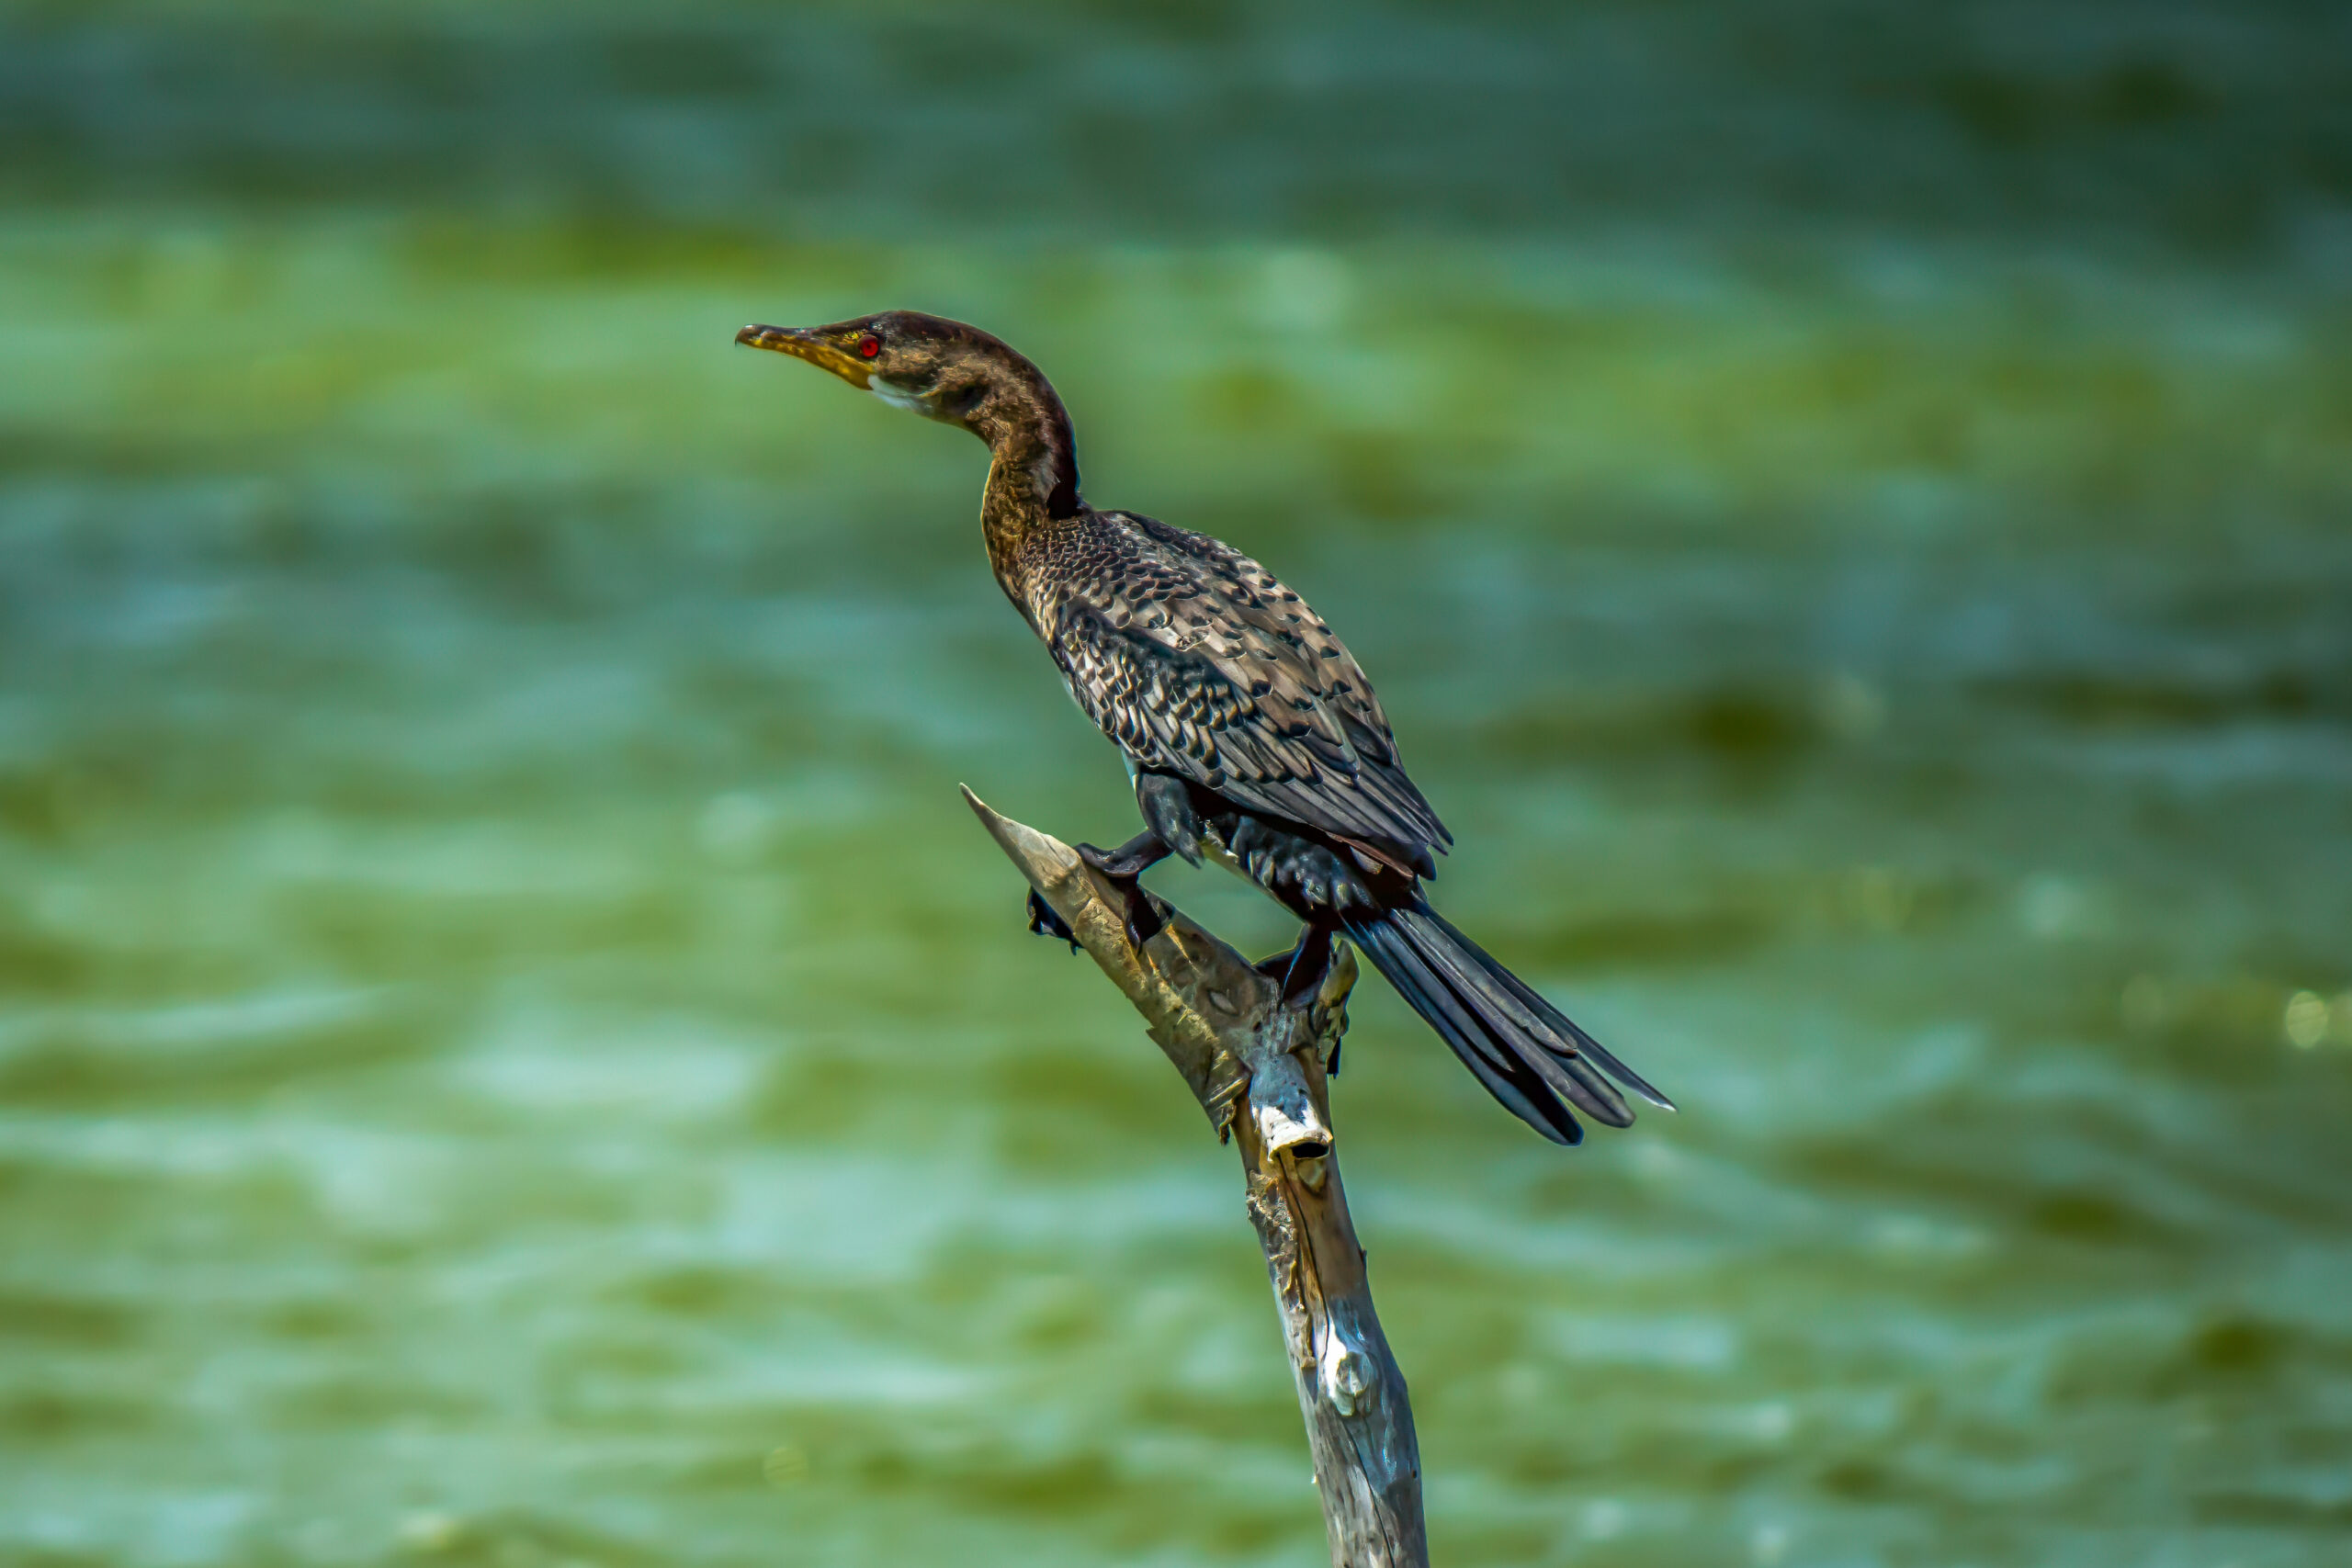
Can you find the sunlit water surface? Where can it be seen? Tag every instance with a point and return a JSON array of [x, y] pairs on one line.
[[513, 1051]]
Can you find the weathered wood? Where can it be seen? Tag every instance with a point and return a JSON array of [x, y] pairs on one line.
[[1258, 1069]]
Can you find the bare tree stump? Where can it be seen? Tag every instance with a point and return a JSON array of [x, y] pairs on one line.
[[1258, 1069]]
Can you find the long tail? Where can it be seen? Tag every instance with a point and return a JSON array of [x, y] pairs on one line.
[[1528, 1056]]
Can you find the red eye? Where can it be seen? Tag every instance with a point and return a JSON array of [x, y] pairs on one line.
[[869, 345]]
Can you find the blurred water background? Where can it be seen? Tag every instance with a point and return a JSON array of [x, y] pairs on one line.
[[514, 1054]]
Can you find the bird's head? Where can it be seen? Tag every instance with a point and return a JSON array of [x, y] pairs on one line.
[[958, 374], [926, 365]]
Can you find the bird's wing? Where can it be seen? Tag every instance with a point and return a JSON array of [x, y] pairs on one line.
[[1198, 662]]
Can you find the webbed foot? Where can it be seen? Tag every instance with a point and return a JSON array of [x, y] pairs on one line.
[[1043, 922], [1127, 862], [1300, 970], [1122, 867]]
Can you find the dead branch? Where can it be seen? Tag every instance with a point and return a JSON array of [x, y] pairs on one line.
[[1258, 1069]]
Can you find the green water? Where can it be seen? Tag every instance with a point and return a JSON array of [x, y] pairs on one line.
[[512, 1051]]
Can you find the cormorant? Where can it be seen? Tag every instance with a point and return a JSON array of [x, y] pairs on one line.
[[1250, 734]]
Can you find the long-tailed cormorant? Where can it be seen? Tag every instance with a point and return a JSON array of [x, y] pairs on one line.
[[1252, 735]]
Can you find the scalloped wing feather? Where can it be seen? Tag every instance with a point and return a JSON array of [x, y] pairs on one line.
[[1199, 662]]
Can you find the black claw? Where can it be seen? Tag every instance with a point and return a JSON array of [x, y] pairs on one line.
[[1124, 866], [1043, 922], [1144, 920]]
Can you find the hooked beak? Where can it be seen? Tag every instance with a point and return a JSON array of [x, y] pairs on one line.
[[803, 343]]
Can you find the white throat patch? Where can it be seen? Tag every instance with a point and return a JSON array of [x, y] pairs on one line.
[[896, 397]]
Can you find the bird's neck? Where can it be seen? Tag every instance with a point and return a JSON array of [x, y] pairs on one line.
[[1032, 478]]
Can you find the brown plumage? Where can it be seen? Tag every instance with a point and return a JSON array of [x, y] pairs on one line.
[[1200, 663], [1252, 734]]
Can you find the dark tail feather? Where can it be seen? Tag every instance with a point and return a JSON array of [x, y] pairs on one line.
[[1527, 1055], [1551, 1016], [1505, 1074]]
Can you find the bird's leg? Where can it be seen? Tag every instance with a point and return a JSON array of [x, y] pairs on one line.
[[1130, 860], [1043, 922], [1166, 807], [1125, 867], [1300, 970]]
